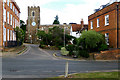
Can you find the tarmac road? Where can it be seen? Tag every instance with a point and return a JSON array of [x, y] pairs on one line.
[[38, 63]]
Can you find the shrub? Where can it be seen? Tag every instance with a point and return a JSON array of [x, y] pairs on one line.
[[90, 40], [83, 53], [103, 47], [70, 48], [64, 52]]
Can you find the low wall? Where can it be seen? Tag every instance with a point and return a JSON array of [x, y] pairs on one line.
[[108, 55]]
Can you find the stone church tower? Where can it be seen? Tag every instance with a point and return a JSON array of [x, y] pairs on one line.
[[33, 23]]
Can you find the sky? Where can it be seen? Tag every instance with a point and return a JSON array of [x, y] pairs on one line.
[[68, 11]]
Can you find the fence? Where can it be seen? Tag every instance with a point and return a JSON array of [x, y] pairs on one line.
[[13, 44]]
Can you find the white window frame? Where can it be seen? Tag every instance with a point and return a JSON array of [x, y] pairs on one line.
[[11, 5], [4, 1], [4, 15], [106, 20], [107, 38], [13, 8], [15, 23], [4, 34], [8, 2], [91, 23], [13, 36], [8, 17], [8, 35], [11, 20], [98, 22]]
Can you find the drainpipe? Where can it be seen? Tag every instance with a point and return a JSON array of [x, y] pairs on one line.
[[117, 25]]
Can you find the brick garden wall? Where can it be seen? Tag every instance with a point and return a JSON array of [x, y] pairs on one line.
[[108, 55]]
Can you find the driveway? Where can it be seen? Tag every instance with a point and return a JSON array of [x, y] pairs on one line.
[[38, 63]]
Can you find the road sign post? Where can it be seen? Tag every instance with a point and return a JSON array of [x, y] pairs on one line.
[[66, 69]]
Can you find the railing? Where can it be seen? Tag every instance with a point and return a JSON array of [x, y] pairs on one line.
[[13, 44]]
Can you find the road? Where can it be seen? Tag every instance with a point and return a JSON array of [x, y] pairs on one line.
[[38, 63]]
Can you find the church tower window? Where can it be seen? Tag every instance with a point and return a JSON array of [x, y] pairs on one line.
[[33, 13]]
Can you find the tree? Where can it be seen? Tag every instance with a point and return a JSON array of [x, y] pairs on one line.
[[91, 41], [19, 35], [23, 27], [55, 37], [56, 21]]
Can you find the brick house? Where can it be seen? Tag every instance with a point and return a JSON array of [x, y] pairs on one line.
[[107, 21], [9, 19]]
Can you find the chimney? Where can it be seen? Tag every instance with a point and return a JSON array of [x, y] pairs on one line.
[[82, 23]]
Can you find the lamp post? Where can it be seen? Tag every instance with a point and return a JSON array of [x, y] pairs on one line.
[[64, 36]]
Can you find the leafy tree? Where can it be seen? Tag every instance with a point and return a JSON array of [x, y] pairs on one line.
[[23, 27], [19, 34], [91, 41], [55, 37], [56, 21]]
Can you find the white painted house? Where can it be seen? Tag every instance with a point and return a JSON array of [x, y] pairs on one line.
[[76, 29]]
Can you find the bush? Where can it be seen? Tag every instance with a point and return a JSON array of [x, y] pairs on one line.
[[70, 48], [83, 53], [103, 47], [90, 40], [64, 52]]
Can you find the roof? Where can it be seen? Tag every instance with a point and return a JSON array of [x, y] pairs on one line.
[[78, 27], [16, 5]]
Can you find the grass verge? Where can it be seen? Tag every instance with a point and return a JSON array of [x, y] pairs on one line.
[[94, 75]]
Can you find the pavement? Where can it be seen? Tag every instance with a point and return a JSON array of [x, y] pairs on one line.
[[59, 55], [39, 63], [16, 51]]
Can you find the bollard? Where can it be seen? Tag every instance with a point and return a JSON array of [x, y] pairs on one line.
[[66, 70]]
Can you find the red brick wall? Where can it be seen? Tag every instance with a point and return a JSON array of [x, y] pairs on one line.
[[108, 55], [1, 23], [7, 26], [111, 28]]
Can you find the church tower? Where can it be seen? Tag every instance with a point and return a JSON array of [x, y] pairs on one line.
[[33, 23]]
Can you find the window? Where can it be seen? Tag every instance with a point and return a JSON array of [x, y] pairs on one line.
[[13, 36], [4, 1], [13, 22], [10, 5], [4, 34], [8, 17], [8, 2], [91, 24], [33, 13], [107, 38], [15, 11], [4, 15], [98, 25], [10, 35], [7, 34], [106, 20], [13, 8]]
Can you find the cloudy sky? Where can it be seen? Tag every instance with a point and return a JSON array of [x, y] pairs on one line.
[[67, 10]]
